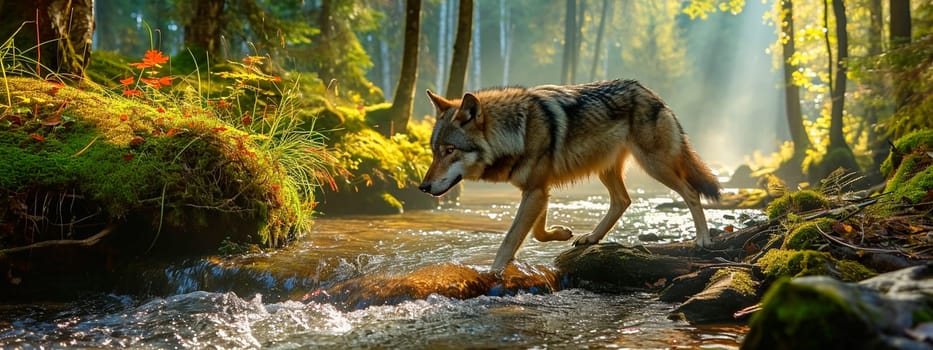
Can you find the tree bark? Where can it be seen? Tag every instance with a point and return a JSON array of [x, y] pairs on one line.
[[792, 92], [204, 29], [60, 31], [461, 54], [401, 108], [838, 89]]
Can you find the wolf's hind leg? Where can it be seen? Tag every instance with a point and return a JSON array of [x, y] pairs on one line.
[[553, 233], [618, 202], [669, 178]]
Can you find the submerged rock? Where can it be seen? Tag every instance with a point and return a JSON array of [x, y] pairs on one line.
[[449, 280], [890, 311]]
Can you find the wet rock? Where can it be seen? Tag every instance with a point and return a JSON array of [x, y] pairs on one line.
[[613, 268], [449, 280], [683, 287], [890, 311], [729, 290]]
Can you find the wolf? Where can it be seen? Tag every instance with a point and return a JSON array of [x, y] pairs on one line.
[[540, 137]]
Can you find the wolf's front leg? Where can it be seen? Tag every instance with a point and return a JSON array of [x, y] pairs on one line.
[[533, 203]]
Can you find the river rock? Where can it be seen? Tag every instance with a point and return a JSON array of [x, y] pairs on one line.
[[448, 280], [889, 311], [613, 268], [729, 290]]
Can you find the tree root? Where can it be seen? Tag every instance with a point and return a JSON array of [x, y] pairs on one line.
[[87, 242]]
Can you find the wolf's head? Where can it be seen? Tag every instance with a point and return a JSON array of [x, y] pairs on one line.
[[457, 143]]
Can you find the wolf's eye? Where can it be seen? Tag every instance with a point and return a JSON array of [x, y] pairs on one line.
[[448, 151]]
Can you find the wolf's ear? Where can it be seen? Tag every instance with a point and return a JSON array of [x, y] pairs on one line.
[[440, 103], [470, 110]]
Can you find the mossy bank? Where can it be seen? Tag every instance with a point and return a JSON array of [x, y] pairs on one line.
[[164, 180]]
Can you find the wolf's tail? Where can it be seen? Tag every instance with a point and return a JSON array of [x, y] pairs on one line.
[[699, 175]]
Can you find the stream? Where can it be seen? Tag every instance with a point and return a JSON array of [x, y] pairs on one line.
[[254, 301]]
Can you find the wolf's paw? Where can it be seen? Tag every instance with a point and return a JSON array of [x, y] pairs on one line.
[[554, 233], [704, 242], [588, 239]]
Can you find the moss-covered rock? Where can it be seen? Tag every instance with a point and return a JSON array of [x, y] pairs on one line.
[[611, 267], [797, 202], [807, 235], [819, 312], [728, 290], [780, 263]]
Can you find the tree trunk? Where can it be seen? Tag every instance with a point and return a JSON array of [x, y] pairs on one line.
[[570, 33], [476, 71], [607, 11], [792, 92], [441, 45], [60, 34], [879, 148], [401, 108], [203, 32], [900, 35], [838, 89], [577, 41], [461, 54]]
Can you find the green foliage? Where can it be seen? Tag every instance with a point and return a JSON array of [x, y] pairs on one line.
[[702, 8], [796, 202], [807, 234]]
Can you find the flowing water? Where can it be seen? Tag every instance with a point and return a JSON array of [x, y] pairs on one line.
[[253, 301]]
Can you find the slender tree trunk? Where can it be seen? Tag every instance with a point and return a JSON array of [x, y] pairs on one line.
[[792, 92], [900, 35], [203, 32], [401, 108], [441, 45], [879, 148], [603, 18], [476, 70], [838, 90], [578, 41], [570, 32], [386, 67], [62, 33], [461, 54]]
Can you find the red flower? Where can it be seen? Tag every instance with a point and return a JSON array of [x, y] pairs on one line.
[[132, 92], [128, 157], [160, 110], [246, 120], [37, 137], [127, 82], [123, 117], [152, 58]]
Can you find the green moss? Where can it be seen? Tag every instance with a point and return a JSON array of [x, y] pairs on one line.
[[807, 235], [913, 179], [742, 281], [183, 167], [799, 316], [779, 263], [796, 202], [920, 139]]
